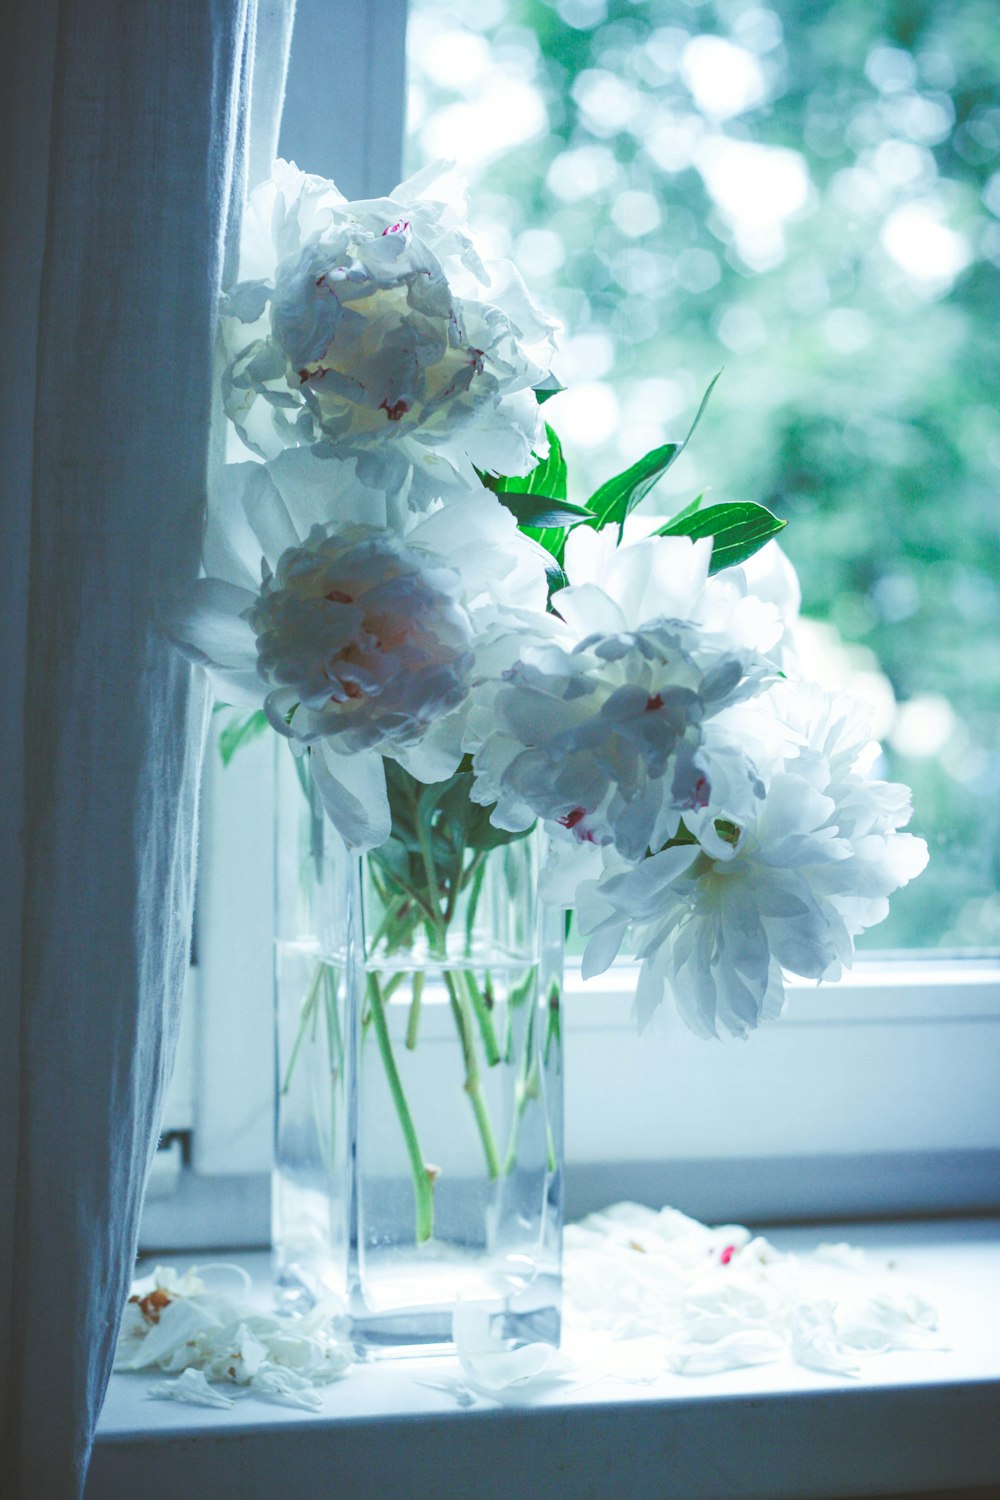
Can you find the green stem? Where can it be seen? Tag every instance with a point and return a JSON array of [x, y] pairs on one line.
[[389, 915], [516, 996], [316, 831], [388, 990], [483, 1016], [527, 1087], [413, 1021], [413, 893], [553, 1028], [305, 1015], [464, 875], [426, 853], [458, 993], [473, 1081], [335, 1040], [476, 875], [335, 1049], [423, 1181]]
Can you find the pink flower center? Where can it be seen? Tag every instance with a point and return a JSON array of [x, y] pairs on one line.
[[573, 820], [652, 704], [700, 796], [397, 410], [400, 227], [570, 819]]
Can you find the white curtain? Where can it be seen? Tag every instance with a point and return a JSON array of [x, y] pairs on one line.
[[127, 130]]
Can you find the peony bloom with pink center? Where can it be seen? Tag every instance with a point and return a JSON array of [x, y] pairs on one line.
[[720, 918], [601, 730], [374, 328], [359, 640]]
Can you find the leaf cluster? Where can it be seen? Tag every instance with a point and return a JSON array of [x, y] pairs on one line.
[[542, 510]]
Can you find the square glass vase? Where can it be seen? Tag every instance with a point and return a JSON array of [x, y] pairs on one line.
[[419, 1128]]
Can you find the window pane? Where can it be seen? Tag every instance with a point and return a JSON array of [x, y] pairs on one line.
[[811, 199]]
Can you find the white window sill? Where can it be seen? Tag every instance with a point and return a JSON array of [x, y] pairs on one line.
[[914, 1421]]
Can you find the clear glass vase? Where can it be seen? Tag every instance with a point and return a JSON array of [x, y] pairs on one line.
[[419, 1142]]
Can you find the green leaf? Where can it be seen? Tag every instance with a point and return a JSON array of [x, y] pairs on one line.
[[556, 576], [737, 531], [543, 512], [466, 823], [539, 502], [618, 497], [689, 510], [548, 477], [393, 858], [545, 393], [241, 729]]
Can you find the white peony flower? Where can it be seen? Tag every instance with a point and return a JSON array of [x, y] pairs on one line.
[[374, 327], [358, 640], [786, 890], [366, 636], [601, 729], [770, 575]]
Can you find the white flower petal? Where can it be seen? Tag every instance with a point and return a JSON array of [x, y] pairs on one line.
[[267, 514], [603, 947], [436, 755], [588, 610], [231, 551], [352, 790], [318, 490], [207, 624], [492, 1364], [192, 1387], [237, 689]]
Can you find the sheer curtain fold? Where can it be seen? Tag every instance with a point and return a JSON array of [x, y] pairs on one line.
[[129, 130]]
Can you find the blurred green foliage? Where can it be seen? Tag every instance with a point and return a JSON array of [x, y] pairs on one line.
[[811, 198]]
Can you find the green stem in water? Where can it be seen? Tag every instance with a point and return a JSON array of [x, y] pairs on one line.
[[458, 994], [423, 1181], [483, 1015], [335, 1040], [335, 1049], [473, 1081], [388, 990], [515, 999], [413, 1021], [306, 1014], [527, 1087], [553, 1029]]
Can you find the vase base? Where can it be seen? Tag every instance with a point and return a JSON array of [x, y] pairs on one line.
[[404, 1297], [429, 1331], [412, 1314]]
